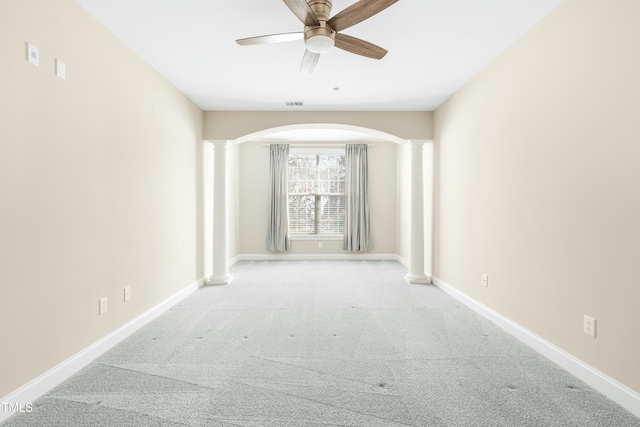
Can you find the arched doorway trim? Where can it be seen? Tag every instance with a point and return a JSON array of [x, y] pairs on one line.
[[352, 133]]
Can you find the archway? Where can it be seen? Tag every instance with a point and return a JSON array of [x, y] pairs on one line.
[[420, 156], [320, 132]]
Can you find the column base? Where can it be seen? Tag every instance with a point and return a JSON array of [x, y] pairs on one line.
[[217, 281], [417, 280]]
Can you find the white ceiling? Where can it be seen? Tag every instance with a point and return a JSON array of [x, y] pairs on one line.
[[435, 46]]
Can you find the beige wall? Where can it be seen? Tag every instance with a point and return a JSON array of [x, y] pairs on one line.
[[253, 198], [538, 183], [223, 125], [98, 182]]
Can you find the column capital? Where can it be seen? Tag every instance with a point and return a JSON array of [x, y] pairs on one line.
[[415, 144], [220, 144]]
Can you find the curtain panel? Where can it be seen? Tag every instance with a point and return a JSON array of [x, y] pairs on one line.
[[278, 227], [356, 220]]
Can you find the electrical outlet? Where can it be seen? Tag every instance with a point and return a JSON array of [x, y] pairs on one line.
[[33, 54], [127, 293], [320, 245], [103, 305], [589, 326], [485, 280]]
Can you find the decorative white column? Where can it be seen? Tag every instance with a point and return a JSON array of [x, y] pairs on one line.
[[416, 273], [220, 248], [429, 177]]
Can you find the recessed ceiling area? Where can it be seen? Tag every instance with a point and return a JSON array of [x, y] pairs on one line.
[[434, 47]]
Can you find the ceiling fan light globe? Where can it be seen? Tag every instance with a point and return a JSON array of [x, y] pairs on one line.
[[320, 43]]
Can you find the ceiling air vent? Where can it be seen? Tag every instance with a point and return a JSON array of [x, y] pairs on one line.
[[294, 103]]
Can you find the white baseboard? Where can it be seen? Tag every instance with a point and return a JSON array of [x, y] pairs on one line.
[[402, 261], [56, 375], [614, 390], [619, 393], [313, 257]]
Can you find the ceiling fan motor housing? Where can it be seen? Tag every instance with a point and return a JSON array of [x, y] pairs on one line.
[[322, 9], [320, 39]]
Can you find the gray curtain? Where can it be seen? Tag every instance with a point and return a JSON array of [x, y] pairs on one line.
[[356, 195], [278, 228]]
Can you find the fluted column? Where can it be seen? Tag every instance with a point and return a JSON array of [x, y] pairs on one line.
[[416, 273], [220, 247]]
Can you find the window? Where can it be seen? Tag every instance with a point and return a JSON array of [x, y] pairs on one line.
[[316, 193]]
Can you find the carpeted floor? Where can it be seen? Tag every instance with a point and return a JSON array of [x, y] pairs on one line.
[[322, 343]]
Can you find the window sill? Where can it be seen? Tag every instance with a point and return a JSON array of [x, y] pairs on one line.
[[316, 237]]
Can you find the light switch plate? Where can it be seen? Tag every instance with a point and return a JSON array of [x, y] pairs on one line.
[[61, 69], [33, 54]]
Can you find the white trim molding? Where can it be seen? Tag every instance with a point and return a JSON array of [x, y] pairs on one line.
[[614, 390], [402, 260], [315, 257], [56, 375], [363, 133]]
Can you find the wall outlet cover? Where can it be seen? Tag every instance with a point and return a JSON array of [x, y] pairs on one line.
[[33, 54], [589, 326]]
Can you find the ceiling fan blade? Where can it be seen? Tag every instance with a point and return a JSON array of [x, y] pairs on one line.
[[358, 12], [359, 47], [271, 38], [309, 61], [303, 11]]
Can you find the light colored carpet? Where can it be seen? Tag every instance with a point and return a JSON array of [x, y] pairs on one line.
[[322, 343]]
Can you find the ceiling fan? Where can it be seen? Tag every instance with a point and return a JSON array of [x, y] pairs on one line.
[[322, 33]]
